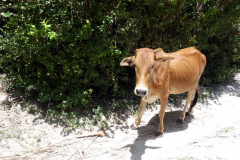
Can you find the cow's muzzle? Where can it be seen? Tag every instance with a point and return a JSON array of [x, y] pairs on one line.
[[141, 91]]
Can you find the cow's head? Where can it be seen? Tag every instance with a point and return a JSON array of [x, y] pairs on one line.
[[144, 60]]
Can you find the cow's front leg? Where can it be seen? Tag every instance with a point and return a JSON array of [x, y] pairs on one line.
[[142, 108], [164, 101]]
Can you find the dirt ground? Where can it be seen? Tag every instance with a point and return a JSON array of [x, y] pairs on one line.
[[212, 133]]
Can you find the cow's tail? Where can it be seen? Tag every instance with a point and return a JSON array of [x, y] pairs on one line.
[[194, 100]]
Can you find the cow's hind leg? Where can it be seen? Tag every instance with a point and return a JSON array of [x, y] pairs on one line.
[[193, 103], [142, 108], [190, 98]]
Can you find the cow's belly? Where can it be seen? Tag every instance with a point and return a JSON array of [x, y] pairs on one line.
[[177, 91], [178, 88]]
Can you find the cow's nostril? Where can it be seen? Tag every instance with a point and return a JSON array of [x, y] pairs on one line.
[[144, 92]]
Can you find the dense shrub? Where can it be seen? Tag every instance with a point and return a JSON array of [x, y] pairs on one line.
[[69, 51]]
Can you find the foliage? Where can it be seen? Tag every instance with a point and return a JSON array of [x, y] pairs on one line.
[[69, 51]]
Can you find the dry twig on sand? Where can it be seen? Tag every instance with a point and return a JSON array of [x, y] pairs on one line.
[[51, 146]]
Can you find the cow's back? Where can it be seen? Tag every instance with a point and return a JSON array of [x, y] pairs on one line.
[[185, 70]]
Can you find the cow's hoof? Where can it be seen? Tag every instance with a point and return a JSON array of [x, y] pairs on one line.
[[158, 134], [134, 127], [179, 121], [188, 114]]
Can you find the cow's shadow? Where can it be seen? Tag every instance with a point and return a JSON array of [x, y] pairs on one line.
[[169, 124], [146, 132]]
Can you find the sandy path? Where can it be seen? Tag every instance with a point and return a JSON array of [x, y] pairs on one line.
[[213, 133]]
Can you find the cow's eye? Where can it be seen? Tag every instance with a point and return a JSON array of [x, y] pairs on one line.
[[152, 67]]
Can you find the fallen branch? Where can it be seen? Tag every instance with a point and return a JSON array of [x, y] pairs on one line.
[[91, 134], [82, 136], [22, 145], [44, 149], [90, 142]]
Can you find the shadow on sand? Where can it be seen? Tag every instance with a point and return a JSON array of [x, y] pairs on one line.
[[146, 132]]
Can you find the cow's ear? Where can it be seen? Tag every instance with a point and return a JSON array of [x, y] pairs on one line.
[[161, 56], [158, 52], [128, 61]]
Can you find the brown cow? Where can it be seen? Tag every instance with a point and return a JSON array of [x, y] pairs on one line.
[[159, 74]]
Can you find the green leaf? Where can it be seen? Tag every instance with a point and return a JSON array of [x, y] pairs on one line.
[[8, 14]]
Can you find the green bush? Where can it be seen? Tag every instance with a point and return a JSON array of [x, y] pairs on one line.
[[69, 51]]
